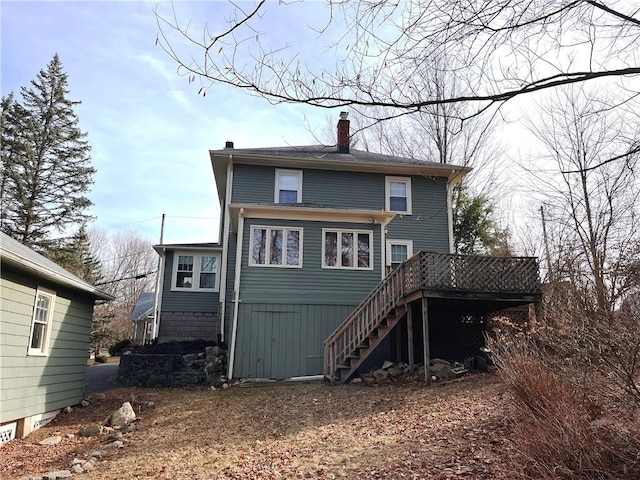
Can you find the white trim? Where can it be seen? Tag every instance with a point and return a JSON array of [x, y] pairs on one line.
[[383, 252], [393, 241], [155, 328], [43, 351], [276, 192], [236, 294], [267, 253], [387, 192], [314, 214], [225, 247], [338, 265], [197, 257]]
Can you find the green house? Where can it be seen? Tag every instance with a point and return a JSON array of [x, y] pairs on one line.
[[45, 324], [307, 234]]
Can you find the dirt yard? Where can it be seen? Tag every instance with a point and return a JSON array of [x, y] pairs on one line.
[[393, 429]]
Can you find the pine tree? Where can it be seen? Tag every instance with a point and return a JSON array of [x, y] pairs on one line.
[[46, 165]]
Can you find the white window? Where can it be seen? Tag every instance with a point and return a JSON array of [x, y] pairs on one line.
[[193, 272], [398, 251], [288, 186], [398, 194], [276, 247], [41, 322], [351, 249]]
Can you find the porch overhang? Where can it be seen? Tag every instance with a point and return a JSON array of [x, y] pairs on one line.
[[309, 213]]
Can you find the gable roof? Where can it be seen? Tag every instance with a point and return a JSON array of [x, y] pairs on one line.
[[144, 306], [327, 158], [24, 259]]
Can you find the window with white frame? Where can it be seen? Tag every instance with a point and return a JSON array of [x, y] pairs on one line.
[[193, 272], [398, 251], [276, 247], [398, 194], [349, 249], [41, 322], [288, 186]]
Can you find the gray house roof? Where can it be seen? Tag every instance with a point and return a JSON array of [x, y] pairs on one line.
[[144, 306], [328, 158], [162, 247], [22, 258]]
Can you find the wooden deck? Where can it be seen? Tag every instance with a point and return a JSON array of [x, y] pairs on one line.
[[426, 275]]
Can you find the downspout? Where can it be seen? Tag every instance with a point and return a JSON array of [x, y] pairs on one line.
[[225, 247], [236, 292], [383, 249]]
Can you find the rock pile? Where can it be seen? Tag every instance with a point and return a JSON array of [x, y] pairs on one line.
[[116, 427]]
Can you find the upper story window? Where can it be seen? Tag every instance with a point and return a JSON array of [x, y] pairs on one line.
[[350, 249], [276, 247], [41, 322], [398, 194], [288, 186], [194, 272]]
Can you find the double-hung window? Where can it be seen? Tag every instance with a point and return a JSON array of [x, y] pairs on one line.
[[398, 251], [41, 322], [276, 247], [398, 194], [194, 272], [349, 249], [288, 186]]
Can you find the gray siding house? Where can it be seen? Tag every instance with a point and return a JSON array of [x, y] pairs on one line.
[[306, 234], [45, 324]]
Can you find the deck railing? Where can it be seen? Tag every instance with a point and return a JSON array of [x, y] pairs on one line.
[[367, 316], [428, 271], [471, 273]]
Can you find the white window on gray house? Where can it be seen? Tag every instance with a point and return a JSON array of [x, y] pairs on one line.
[[398, 194], [348, 249], [195, 272], [288, 186], [41, 322], [398, 251], [276, 247]]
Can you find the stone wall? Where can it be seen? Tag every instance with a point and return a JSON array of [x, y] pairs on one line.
[[173, 370], [184, 326]]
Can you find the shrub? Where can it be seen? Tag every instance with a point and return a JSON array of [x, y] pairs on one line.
[[116, 349], [101, 359]]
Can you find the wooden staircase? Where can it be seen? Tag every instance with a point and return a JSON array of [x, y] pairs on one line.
[[363, 330]]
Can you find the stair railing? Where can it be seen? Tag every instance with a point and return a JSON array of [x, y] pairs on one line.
[[367, 316]]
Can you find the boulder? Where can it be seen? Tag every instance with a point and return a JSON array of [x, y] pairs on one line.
[[51, 440], [387, 364], [380, 374], [91, 431], [122, 416], [442, 370], [395, 371], [57, 475]]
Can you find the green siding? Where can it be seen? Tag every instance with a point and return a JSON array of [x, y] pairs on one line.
[[185, 301], [37, 384], [428, 225], [284, 340], [311, 283]]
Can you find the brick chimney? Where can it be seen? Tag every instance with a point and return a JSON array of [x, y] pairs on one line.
[[343, 133], [228, 144]]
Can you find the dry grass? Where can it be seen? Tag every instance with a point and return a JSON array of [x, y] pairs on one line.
[[390, 430]]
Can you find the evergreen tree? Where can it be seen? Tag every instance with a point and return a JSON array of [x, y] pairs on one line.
[[475, 231], [75, 255], [46, 166]]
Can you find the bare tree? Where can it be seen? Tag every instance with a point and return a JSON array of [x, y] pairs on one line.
[[502, 49], [128, 266], [593, 213]]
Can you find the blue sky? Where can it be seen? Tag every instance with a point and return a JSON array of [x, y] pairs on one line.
[[149, 130]]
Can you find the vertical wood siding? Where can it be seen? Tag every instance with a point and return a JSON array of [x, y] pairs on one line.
[[37, 384]]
